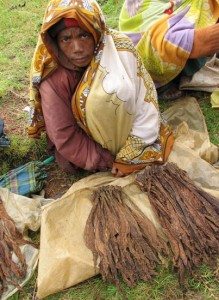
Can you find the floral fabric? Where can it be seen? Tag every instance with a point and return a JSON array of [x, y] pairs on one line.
[[163, 32]]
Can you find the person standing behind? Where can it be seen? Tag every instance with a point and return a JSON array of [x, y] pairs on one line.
[[172, 36]]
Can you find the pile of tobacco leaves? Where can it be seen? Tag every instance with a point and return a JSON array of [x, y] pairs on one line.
[[12, 262], [188, 215], [124, 240], [126, 244]]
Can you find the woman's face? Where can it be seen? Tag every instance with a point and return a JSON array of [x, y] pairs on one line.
[[77, 45]]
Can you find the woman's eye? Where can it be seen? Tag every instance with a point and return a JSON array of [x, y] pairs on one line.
[[85, 35], [65, 39]]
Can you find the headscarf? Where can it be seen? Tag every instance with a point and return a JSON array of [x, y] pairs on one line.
[[46, 57], [115, 102]]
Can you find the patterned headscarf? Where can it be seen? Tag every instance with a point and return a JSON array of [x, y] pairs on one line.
[[87, 15]]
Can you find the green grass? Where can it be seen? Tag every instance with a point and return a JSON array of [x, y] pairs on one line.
[[205, 283], [211, 117], [111, 8], [164, 286], [20, 22], [19, 25], [16, 154]]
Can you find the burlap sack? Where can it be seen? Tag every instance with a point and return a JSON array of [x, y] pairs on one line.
[[64, 259]]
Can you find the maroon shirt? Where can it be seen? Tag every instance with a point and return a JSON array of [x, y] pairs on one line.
[[73, 146]]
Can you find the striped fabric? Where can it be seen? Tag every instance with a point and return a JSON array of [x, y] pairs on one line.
[[26, 179]]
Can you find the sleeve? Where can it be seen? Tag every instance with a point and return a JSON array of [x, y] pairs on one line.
[[63, 131]]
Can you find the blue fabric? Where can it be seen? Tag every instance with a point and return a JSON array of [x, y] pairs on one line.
[[26, 179]]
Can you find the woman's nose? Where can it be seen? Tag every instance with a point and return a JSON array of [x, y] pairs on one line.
[[76, 46]]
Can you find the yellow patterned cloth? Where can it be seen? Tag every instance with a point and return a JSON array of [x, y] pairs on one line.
[[163, 32], [115, 101]]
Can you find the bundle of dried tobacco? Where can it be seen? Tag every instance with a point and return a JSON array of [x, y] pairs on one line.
[[189, 216], [11, 268], [123, 239]]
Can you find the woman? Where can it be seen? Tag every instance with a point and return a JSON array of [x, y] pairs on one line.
[[172, 36], [91, 90]]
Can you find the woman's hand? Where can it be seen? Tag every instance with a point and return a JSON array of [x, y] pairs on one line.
[[116, 172], [121, 169]]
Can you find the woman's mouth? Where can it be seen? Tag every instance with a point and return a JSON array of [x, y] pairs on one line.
[[80, 59]]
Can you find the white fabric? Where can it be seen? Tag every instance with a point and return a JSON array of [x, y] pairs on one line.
[[131, 108]]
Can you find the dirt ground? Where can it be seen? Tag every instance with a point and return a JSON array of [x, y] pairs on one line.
[[58, 182], [15, 121]]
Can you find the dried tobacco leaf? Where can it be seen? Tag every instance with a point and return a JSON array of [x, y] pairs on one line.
[[189, 216], [125, 241], [10, 241]]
